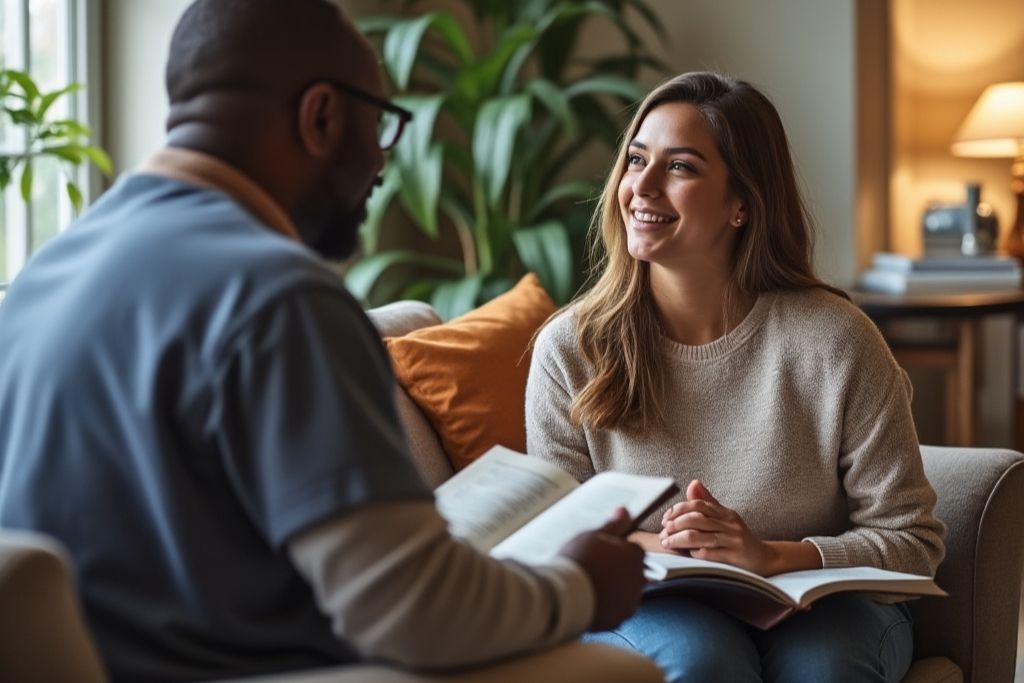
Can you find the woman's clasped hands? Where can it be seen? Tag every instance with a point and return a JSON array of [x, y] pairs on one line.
[[707, 530]]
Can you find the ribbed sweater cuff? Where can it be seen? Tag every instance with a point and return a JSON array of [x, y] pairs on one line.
[[832, 551]]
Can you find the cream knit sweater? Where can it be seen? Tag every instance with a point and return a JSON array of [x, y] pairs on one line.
[[799, 419]]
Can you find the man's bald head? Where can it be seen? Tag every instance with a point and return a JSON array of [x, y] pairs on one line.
[[267, 46], [255, 84]]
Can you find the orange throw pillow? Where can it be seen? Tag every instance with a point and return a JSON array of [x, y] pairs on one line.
[[468, 375]]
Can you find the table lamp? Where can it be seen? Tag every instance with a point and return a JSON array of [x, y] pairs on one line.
[[995, 128]]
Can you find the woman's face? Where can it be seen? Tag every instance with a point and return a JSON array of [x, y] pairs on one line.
[[674, 196]]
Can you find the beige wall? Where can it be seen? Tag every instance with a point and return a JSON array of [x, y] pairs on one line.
[[802, 54], [136, 36]]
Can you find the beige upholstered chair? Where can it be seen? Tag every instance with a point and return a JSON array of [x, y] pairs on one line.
[[43, 638], [969, 636], [973, 632]]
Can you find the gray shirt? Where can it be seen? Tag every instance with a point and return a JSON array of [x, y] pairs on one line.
[[182, 391]]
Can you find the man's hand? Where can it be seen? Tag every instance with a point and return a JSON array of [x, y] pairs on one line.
[[615, 567]]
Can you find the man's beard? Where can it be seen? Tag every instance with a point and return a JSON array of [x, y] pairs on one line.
[[331, 234]]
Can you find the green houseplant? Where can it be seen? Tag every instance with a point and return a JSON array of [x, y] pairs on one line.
[[502, 106], [25, 105]]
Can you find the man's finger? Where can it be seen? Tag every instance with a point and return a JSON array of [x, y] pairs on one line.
[[620, 524]]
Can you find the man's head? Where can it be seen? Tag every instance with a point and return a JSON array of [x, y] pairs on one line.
[[250, 81]]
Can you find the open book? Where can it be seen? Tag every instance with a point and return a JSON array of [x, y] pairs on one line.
[[514, 506], [765, 601]]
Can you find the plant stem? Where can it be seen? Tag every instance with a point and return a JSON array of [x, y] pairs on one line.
[[483, 236], [466, 243]]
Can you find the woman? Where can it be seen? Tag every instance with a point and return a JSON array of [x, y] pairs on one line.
[[709, 351]]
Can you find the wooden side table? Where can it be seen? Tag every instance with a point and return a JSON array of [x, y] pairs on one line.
[[956, 359]]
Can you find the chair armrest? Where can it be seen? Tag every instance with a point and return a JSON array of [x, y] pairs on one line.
[[981, 500], [571, 663]]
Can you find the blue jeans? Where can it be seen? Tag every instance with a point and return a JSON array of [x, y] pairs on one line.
[[844, 637]]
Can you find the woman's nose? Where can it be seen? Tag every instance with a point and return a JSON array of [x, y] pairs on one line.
[[646, 183]]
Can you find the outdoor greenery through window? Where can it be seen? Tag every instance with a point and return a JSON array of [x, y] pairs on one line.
[[44, 39]]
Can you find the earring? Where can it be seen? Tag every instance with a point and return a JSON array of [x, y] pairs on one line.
[[738, 221]]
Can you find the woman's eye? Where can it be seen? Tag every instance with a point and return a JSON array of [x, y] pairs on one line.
[[680, 166], [634, 160]]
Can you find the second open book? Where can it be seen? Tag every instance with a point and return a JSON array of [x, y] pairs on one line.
[[525, 509], [517, 507]]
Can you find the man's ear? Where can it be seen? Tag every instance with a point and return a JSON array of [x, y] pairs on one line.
[[322, 119]]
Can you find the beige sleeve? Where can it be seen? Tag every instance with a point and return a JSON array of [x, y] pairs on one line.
[[398, 587]]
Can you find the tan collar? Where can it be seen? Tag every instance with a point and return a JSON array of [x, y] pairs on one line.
[[204, 170]]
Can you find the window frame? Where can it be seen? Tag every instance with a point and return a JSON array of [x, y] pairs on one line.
[[81, 63]]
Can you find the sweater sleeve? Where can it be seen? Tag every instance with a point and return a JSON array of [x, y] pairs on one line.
[[890, 501], [550, 434], [399, 588]]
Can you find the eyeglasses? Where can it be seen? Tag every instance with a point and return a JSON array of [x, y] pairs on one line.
[[392, 117]]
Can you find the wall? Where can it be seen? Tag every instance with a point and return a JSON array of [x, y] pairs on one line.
[[802, 53], [136, 35]]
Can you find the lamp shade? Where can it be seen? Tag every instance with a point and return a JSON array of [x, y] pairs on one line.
[[995, 125]]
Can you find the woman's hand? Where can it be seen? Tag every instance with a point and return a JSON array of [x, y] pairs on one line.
[[710, 531], [647, 540]]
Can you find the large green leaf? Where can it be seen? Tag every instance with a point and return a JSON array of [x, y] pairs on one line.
[[545, 250], [611, 84], [418, 133], [28, 86], [22, 117], [494, 138], [452, 299], [420, 188], [69, 153], [100, 158], [556, 101], [362, 276], [480, 81], [402, 43], [577, 189], [420, 161], [376, 207], [26, 181], [376, 23], [74, 195], [47, 100]]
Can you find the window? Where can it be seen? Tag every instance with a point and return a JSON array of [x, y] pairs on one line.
[[47, 38]]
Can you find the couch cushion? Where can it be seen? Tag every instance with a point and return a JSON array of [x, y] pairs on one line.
[[395, 320], [468, 376], [934, 670]]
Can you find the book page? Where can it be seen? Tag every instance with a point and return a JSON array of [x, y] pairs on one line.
[[585, 508], [498, 493], [662, 566], [807, 586], [795, 588]]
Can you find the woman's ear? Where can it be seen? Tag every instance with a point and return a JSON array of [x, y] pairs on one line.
[[321, 119], [739, 218]]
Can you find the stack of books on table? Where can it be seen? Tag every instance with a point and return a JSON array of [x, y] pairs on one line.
[[900, 274]]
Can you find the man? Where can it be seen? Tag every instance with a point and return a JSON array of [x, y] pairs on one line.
[[192, 403]]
